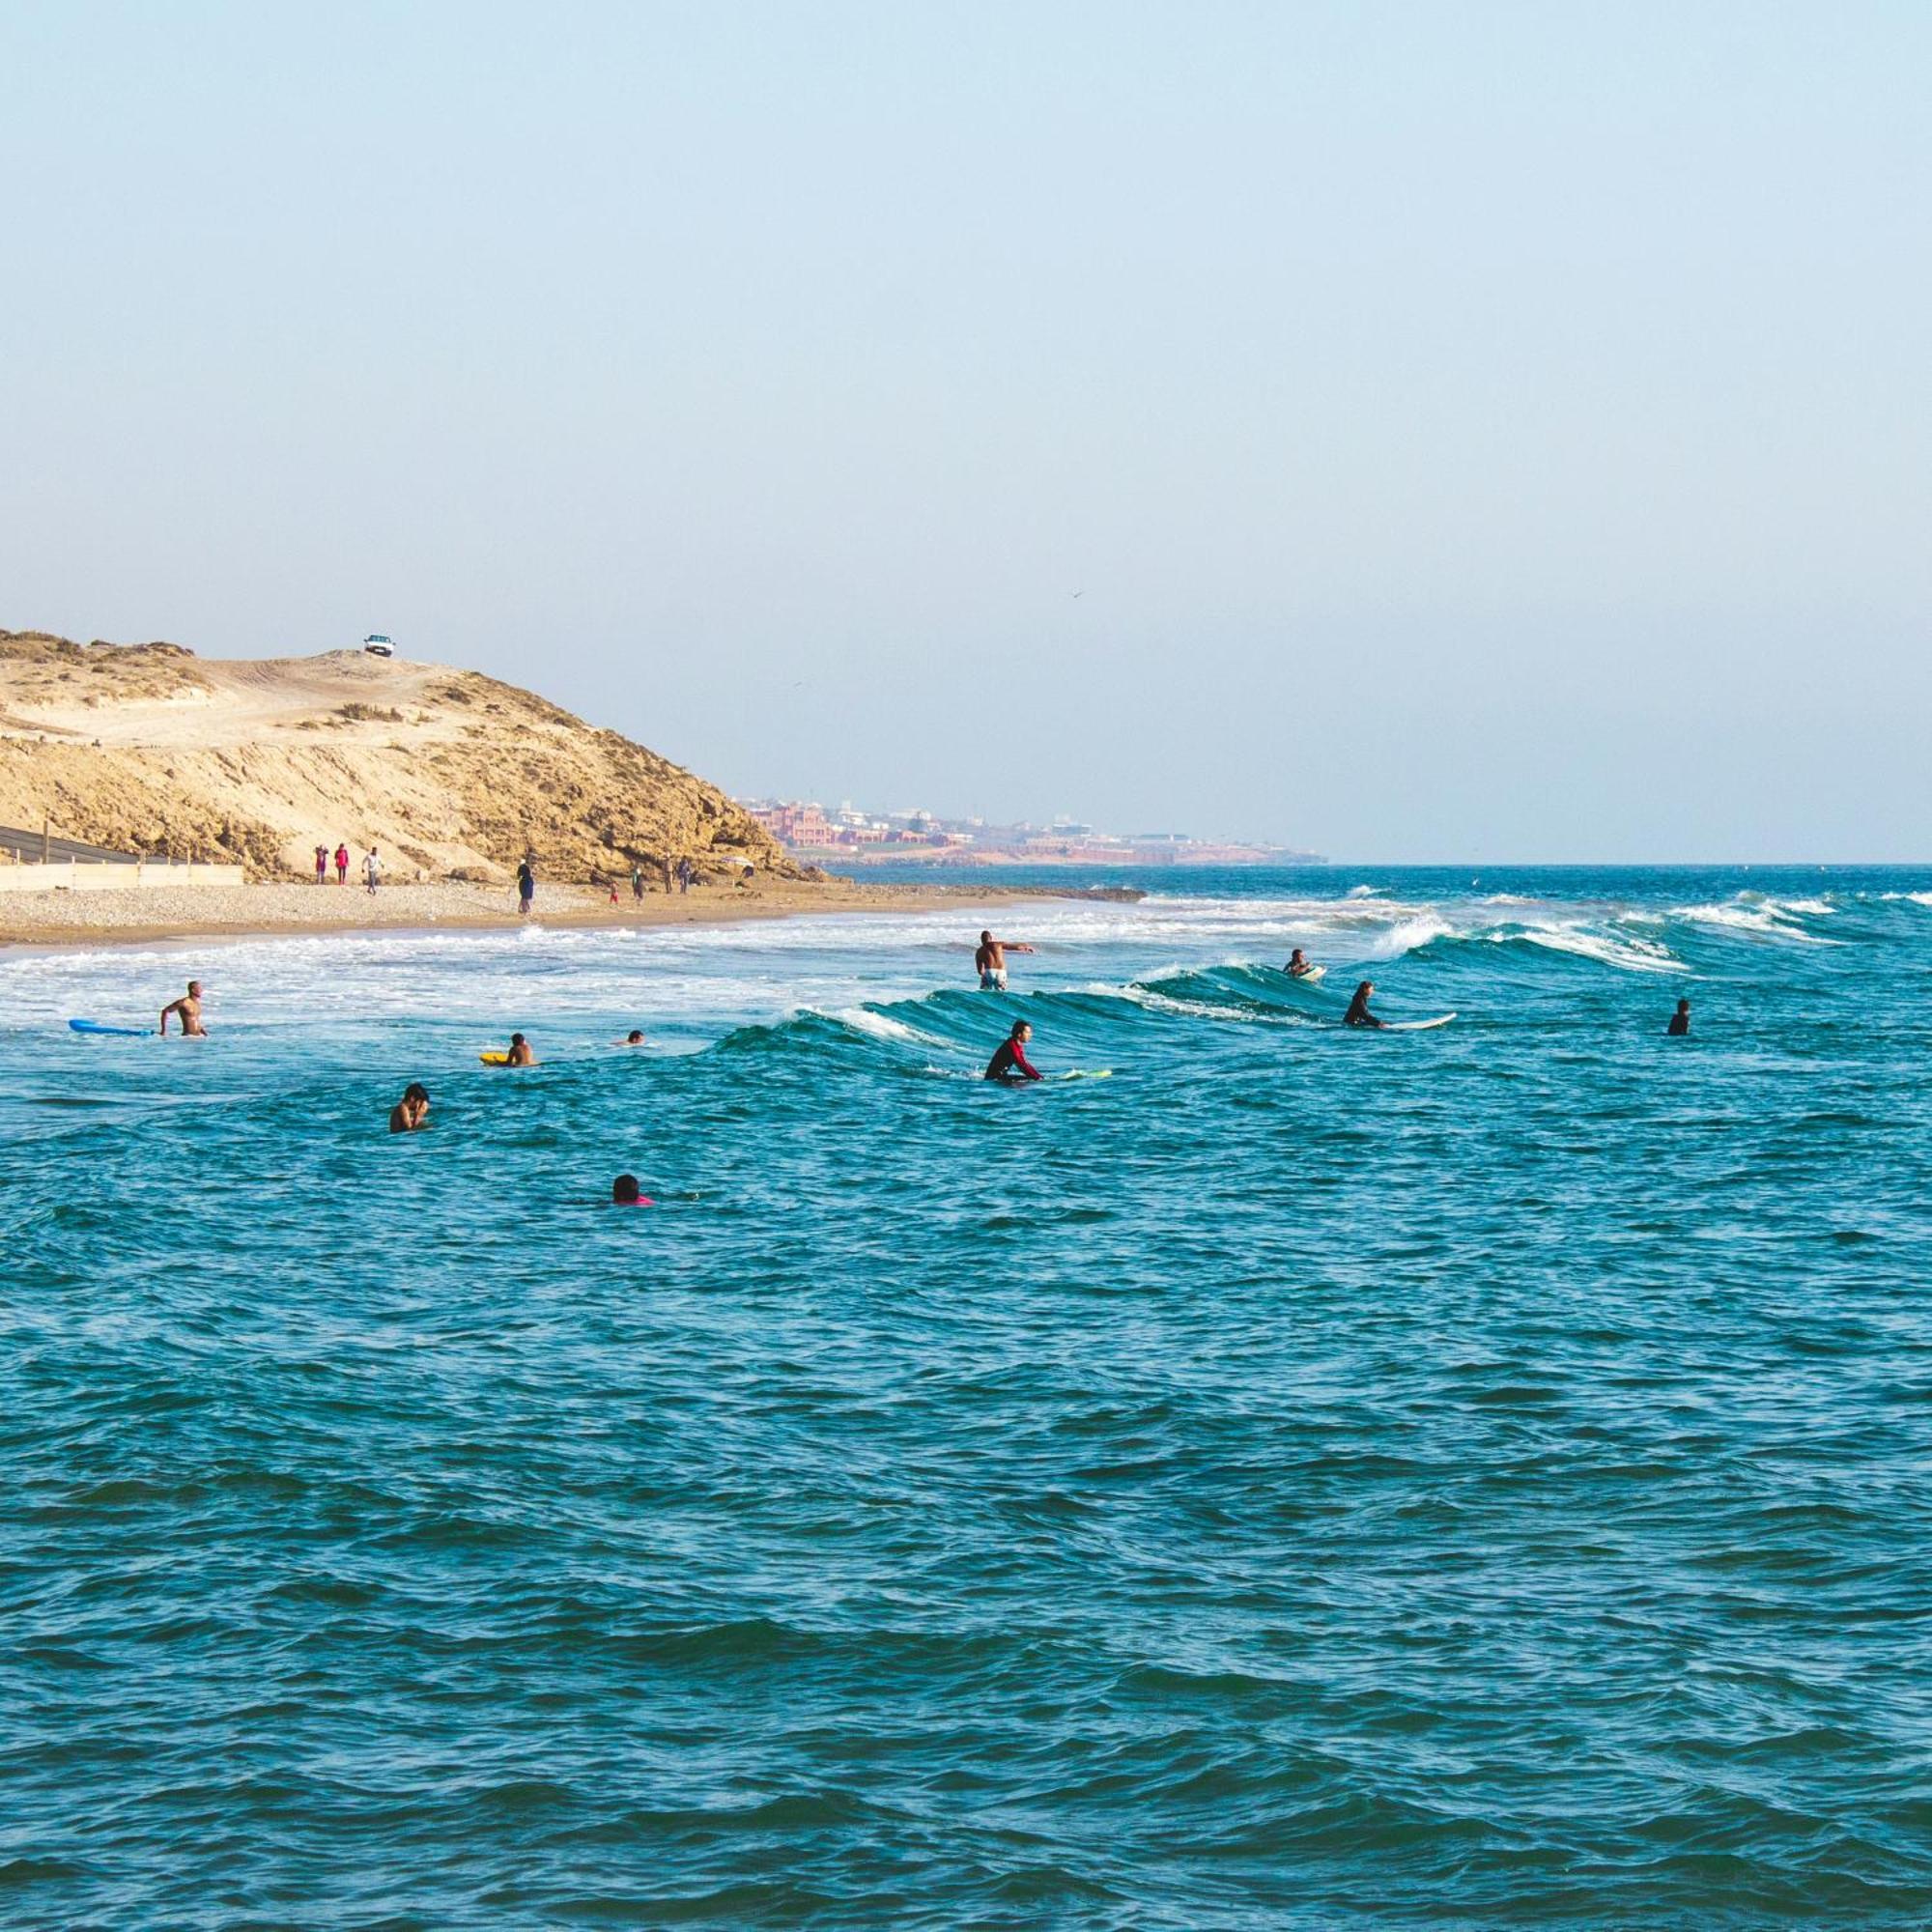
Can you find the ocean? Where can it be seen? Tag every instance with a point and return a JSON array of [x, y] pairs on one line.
[[1306, 1477]]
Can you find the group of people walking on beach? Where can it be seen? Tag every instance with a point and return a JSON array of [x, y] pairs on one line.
[[371, 868]]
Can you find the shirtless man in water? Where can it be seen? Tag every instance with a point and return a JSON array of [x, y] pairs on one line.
[[188, 1008], [990, 961]]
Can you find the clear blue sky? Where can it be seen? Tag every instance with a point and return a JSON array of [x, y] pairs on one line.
[[1477, 430]]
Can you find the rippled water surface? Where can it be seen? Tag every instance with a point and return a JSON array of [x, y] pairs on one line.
[[1305, 1479]]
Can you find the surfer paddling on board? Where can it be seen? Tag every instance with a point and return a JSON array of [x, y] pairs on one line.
[[1298, 965], [990, 961], [1359, 1013], [1010, 1066], [187, 1010], [519, 1054]]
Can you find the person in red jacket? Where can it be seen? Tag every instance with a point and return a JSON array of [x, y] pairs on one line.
[[342, 864], [1010, 1065]]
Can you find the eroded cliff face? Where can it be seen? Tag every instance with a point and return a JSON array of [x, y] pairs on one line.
[[145, 748]]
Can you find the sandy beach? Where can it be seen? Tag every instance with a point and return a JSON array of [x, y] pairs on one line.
[[192, 912]]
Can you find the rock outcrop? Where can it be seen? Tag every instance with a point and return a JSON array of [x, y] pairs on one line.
[[148, 749]]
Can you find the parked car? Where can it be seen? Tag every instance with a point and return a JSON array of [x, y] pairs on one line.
[[379, 647]]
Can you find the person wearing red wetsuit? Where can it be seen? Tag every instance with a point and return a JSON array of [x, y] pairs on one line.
[[1010, 1065]]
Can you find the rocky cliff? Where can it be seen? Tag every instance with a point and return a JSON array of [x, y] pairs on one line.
[[146, 748]]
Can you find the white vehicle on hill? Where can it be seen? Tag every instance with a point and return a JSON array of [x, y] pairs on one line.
[[379, 647]]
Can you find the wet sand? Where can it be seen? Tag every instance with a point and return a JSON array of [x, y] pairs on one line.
[[195, 912]]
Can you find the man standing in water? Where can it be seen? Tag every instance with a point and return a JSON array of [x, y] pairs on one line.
[[1359, 1013], [990, 961], [1680, 1021], [1010, 1065], [187, 1010]]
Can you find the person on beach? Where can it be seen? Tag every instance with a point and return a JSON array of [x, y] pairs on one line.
[[410, 1114], [990, 961], [625, 1193], [663, 865], [1298, 966], [526, 888], [1010, 1066], [321, 865], [1359, 1013], [187, 1010], [684, 869], [342, 864], [372, 870], [519, 1054], [638, 882], [1680, 1021]]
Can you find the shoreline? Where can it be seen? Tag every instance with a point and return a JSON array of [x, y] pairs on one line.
[[287, 911]]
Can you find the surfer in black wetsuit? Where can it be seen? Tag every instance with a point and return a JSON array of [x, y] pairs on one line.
[[1359, 1013], [1010, 1066], [1680, 1020]]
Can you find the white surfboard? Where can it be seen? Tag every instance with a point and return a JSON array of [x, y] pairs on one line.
[[1416, 1025]]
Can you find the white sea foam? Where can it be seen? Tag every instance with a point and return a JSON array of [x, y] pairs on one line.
[[882, 1026], [1629, 955], [1761, 919]]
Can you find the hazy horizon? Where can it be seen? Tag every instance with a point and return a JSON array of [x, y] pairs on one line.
[[1487, 439]]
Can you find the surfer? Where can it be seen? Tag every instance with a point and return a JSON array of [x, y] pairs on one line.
[[187, 1010], [1298, 966], [1680, 1020], [625, 1193], [1359, 1013], [1010, 1065], [412, 1112], [632, 1038], [990, 961], [519, 1054]]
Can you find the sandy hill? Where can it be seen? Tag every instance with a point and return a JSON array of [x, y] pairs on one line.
[[146, 748]]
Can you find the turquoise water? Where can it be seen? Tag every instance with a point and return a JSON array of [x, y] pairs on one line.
[[1306, 1479]]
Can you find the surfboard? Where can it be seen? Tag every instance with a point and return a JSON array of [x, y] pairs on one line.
[[118, 1032], [1416, 1025], [494, 1059], [1312, 977], [1085, 1073]]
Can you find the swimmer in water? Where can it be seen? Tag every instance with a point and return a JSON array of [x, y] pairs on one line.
[[1359, 1013], [632, 1038], [188, 1008], [410, 1113], [519, 1052], [624, 1193], [990, 961], [1010, 1066], [1680, 1021], [1298, 966]]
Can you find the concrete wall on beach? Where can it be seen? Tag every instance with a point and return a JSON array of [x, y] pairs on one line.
[[75, 875]]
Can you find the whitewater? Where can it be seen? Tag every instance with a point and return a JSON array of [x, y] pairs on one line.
[[1305, 1479]]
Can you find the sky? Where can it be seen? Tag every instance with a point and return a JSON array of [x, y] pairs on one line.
[[1489, 431]]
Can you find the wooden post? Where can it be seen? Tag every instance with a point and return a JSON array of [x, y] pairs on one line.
[[46, 839]]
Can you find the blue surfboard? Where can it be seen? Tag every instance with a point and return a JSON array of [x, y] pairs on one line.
[[119, 1032]]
